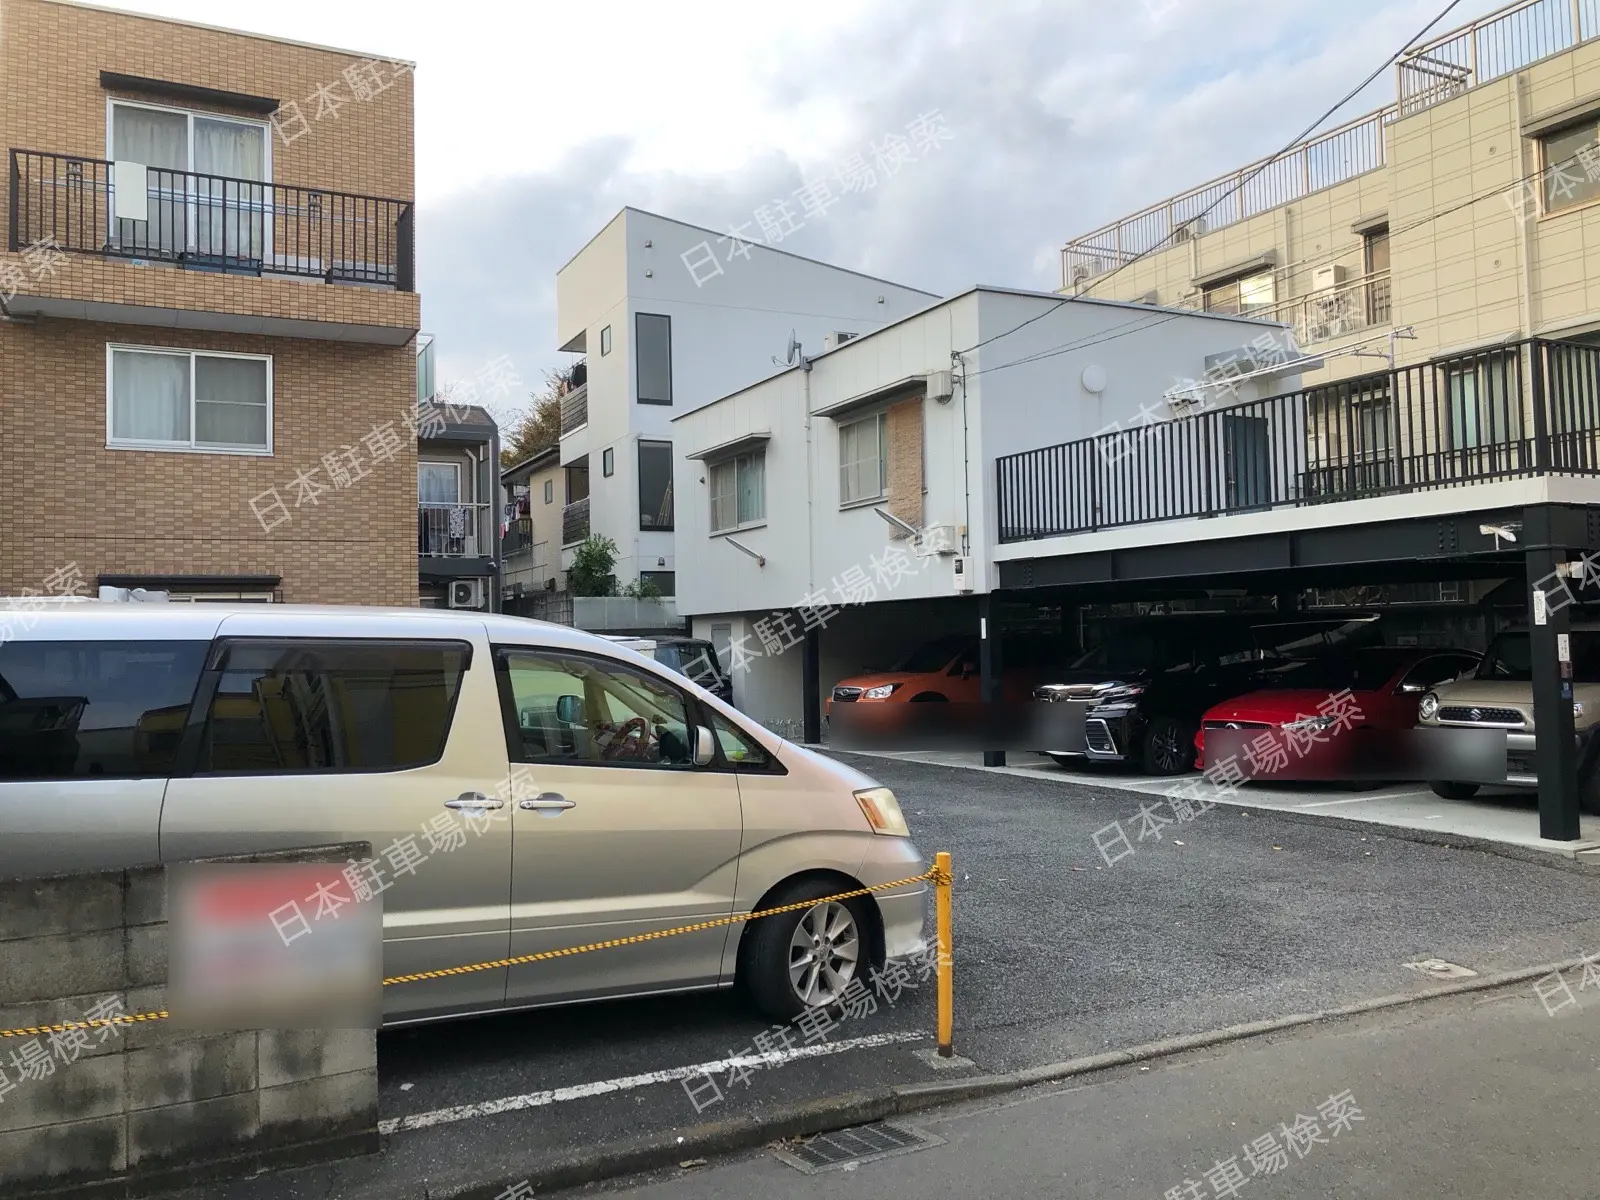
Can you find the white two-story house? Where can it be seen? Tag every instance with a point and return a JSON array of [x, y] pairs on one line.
[[669, 316]]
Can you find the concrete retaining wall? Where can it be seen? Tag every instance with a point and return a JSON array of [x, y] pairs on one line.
[[146, 1106]]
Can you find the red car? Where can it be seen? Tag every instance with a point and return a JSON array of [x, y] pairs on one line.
[[1298, 697]]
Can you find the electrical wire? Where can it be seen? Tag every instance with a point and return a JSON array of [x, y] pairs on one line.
[[1173, 315], [1241, 183]]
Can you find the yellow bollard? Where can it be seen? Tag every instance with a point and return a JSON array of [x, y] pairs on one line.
[[946, 964]]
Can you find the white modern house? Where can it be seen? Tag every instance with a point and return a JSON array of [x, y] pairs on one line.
[[668, 317], [801, 492]]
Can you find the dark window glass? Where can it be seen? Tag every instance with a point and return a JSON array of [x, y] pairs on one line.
[[696, 660], [666, 581], [1510, 658], [936, 656], [332, 706], [1360, 672], [652, 350], [605, 341], [585, 712], [88, 710], [655, 485], [607, 461]]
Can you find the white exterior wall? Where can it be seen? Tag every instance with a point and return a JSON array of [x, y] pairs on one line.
[[725, 333], [1007, 410]]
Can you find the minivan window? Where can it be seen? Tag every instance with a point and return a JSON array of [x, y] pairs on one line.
[[94, 710], [330, 706], [1510, 659], [741, 751], [585, 711]]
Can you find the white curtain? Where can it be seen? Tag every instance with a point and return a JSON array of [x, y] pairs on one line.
[[230, 402], [150, 396], [159, 140], [231, 215], [438, 483]]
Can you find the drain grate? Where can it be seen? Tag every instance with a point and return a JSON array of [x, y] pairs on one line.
[[862, 1143]]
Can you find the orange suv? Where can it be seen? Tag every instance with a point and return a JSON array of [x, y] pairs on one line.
[[945, 670]]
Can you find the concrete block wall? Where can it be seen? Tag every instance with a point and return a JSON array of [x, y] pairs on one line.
[[146, 1106]]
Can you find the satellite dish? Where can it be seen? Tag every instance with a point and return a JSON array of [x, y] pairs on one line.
[[794, 349]]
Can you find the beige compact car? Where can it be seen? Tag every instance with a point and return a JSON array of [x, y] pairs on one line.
[[525, 787], [1499, 695]]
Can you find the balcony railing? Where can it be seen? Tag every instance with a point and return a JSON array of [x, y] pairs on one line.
[[1523, 409], [211, 222], [575, 409], [1350, 307], [454, 531], [575, 522], [1493, 46]]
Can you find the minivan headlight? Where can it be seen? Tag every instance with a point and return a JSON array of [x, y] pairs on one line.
[[1125, 691], [1429, 707], [882, 692], [882, 811]]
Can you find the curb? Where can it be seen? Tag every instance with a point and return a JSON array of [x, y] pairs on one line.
[[1583, 858], [858, 1108]]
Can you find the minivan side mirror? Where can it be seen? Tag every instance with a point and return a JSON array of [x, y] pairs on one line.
[[569, 710], [705, 746]]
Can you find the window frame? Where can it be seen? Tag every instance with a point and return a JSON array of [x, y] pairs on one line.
[[187, 763], [608, 463], [549, 491], [192, 446], [881, 419], [638, 359], [700, 714], [1236, 284], [733, 461], [193, 114], [638, 463], [605, 341], [1592, 122]]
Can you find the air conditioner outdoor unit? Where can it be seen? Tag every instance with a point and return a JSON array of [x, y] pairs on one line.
[[1189, 230], [1085, 271], [839, 338], [466, 593], [963, 573], [941, 386], [1327, 277]]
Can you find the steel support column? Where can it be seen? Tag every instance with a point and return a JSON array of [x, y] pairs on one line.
[[811, 684], [1556, 752], [989, 667]]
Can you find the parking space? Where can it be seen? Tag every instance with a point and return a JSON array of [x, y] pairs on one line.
[[1243, 914], [1509, 816]]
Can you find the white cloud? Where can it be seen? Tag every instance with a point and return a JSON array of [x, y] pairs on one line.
[[536, 122]]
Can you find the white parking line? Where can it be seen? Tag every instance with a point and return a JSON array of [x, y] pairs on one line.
[[486, 1108], [1364, 799]]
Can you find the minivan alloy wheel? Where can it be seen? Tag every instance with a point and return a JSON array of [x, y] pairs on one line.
[[824, 953]]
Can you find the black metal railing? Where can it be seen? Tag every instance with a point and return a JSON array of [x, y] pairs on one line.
[[1519, 409], [211, 222]]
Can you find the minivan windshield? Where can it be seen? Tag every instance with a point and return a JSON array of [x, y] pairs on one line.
[[1510, 658]]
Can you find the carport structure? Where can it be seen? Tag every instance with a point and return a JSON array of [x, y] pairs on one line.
[[1476, 466]]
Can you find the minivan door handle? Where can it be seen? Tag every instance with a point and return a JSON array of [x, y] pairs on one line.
[[474, 800], [547, 802]]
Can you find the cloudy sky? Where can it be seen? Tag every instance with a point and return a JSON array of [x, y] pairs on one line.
[[538, 120]]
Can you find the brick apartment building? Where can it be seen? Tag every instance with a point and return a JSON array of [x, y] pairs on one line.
[[207, 378]]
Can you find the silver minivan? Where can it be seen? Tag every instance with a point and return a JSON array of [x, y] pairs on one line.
[[524, 786]]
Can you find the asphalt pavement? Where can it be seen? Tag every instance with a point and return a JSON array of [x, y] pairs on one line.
[[1232, 917], [1483, 1096]]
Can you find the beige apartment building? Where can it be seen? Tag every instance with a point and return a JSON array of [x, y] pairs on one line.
[[207, 379], [1464, 215]]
